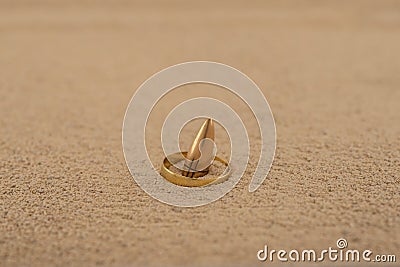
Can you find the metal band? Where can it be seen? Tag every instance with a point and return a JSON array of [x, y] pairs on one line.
[[181, 180]]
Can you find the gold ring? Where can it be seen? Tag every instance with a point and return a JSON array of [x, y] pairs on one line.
[[181, 180]]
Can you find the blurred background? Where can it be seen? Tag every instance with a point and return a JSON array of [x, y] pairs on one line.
[[329, 70]]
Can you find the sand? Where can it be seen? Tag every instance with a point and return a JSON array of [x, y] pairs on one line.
[[330, 72]]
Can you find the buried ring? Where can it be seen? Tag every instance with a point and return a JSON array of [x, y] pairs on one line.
[[181, 180]]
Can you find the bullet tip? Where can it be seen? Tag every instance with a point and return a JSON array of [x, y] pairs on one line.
[[201, 153]]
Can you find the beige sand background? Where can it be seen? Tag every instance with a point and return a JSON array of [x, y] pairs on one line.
[[330, 71]]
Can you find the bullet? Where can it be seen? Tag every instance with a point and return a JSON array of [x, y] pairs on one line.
[[201, 153]]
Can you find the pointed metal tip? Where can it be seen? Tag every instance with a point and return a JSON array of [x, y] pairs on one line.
[[209, 131], [194, 157]]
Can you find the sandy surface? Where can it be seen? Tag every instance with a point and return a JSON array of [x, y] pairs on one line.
[[329, 71]]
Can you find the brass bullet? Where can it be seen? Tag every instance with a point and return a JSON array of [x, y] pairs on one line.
[[201, 153]]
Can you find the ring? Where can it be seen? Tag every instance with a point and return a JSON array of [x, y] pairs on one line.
[[181, 180]]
